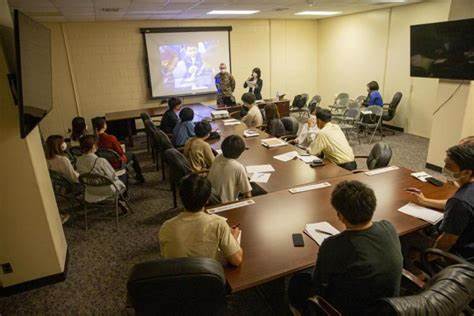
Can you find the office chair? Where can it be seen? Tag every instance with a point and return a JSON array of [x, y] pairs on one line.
[[360, 100], [340, 105], [348, 122], [160, 142], [66, 190], [389, 113], [179, 167], [315, 102], [146, 117], [371, 118], [448, 293], [291, 125], [379, 156], [299, 105], [182, 286]]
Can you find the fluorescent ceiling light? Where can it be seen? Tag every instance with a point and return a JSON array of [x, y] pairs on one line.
[[318, 13], [228, 12]]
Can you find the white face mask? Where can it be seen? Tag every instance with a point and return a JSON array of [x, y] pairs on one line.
[[64, 146], [451, 175]]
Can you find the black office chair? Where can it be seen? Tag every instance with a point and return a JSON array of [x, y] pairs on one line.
[[160, 143], [315, 102], [447, 293], [299, 105], [379, 156], [146, 117], [291, 125], [179, 167], [182, 286], [389, 113]]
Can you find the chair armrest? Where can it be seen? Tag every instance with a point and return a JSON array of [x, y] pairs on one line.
[[356, 157], [413, 279], [359, 171], [431, 253], [324, 305]]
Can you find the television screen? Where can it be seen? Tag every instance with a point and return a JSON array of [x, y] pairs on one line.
[[443, 50], [34, 78]]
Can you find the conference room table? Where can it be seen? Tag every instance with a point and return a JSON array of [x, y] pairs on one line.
[[267, 226]]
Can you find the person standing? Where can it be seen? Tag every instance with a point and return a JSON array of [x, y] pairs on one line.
[[225, 84], [255, 83]]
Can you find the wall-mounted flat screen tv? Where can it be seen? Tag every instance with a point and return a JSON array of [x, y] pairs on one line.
[[443, 50]]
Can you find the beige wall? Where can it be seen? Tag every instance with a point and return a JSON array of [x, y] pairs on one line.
[[99, 67], [31, 234], [355, 49]]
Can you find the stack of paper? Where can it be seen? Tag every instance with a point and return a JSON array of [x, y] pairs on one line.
[[424, 213], [286, 156], [220, 114], [251, 133], [260, 168], [421, 176], [230, 122], [320, 231], [273, 142], [381, 170], [260, 177], [309, 158]]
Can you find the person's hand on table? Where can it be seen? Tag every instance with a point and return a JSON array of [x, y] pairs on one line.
[[419, 196]]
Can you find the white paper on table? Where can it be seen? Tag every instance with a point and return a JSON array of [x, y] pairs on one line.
[[309, 158], [219, 151], [251, 133], [421, 212], [273, 142], [229, 206], [260, 169], [286, 156], [310, 187], [231, 122], [260, 177], [421, 175], [326, 230], [381, 170]]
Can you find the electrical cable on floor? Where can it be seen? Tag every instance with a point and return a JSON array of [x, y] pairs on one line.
[[447, 100]]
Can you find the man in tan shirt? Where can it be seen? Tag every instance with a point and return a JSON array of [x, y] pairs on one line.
[[332, 142], [253, 118], [194, 233], [197, 150]]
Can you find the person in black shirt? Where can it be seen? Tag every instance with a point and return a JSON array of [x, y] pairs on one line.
[[456, 231], [170, 117], [357, 266], [255, 83]]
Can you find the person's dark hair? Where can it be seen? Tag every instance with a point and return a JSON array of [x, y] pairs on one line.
[[462, 155], [324, 115], [78, 128], [194, 191], [271, 112], [233, 146], [53, 146], [355, 201], [173, 103], [373, 86], [248, 98], [186, 114], [87, 143], [99, 123], [202, 128], [258, 72]]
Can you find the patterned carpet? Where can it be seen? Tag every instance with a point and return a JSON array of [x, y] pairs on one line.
[[100, 260]]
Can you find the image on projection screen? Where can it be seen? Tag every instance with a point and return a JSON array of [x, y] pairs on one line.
[[185, 63]]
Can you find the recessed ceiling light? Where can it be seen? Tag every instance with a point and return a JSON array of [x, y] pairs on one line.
[[318, 13], [229, 12]]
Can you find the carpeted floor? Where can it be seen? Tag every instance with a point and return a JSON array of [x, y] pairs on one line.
[[100, 260]]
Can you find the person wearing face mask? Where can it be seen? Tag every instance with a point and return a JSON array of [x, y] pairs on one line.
[[332, 142], [57, 159], [456, 230], [225, 84], [255, 83]]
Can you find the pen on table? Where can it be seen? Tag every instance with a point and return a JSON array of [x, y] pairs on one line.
[[413, 190], [323, 232]]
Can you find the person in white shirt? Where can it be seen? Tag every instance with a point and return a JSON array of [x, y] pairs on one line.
[[332, 142], [228, 177], [89, 162], [308, 131], [253, 118]]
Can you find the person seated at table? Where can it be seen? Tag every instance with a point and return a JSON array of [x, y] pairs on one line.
[[197, 150], [274, 126], [185, 127], [308, 131], [332, 142], [57, 159], [89, 162], [228, 176], [253, 118], [79, 129], [170, 117], [356, 267], [374, 97], [456, 230], [195, 233], [108, 141]]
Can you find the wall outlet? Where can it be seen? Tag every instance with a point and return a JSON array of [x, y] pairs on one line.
[[7, 268]]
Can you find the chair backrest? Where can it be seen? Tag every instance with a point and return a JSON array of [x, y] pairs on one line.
[[95, 180], [379, 156], [178, 165], [110, 155], [375, 109], [352, 113], [182, 286], [342, 99], [61, 184], [145, 116], [360, 99], [161, 139], [291, 125], [447, 293], [75, 151], [315, 101], [300, 101], [392, 108], [352, 104]]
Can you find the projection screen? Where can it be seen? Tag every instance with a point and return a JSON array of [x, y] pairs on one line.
[[184, 61]]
